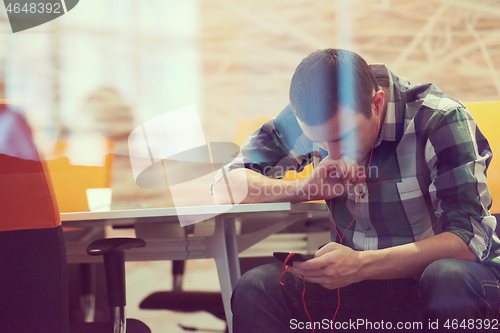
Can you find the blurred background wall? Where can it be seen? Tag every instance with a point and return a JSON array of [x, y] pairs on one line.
[[251, 48], [107, 66], [233, 59]]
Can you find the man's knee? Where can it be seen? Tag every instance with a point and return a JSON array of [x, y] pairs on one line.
[[256, 283], [447, 277], [444, 273]]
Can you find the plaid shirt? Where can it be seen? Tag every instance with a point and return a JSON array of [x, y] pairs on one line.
[[427, 174]]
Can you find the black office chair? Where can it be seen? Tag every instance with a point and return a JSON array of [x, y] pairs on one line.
[[112, 249], [33, 267]]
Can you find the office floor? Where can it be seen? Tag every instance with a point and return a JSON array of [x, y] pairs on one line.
[[144, 278]]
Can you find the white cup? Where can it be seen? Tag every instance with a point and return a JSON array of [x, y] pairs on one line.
[[99, 199]]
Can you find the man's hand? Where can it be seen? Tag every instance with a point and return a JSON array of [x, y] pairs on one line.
[[334, 266], [332, 178]]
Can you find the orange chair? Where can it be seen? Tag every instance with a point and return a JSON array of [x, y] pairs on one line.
[[33, 268], [71, 181]]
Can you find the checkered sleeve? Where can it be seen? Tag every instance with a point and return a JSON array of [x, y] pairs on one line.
[[273, 149], [458, 155]]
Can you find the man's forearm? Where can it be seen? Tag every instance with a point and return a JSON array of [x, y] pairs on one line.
[[410, 260], [257, 188], [328, 180]]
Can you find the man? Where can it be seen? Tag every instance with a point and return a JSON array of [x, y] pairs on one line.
[[403, 170]]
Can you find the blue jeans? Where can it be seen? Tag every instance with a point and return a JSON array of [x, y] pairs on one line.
[[451, 295]]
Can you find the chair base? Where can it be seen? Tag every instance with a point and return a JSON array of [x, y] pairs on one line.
[[186, 301], [133, 326]]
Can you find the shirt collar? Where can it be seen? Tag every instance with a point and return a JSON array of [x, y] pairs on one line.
[[385, 78]]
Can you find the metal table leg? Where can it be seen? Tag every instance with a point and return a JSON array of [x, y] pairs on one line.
[[223, 248]]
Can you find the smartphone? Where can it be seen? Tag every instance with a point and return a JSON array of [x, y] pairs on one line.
[[281, 256]]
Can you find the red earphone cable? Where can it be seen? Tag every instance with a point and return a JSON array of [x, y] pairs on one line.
[[282, 282]]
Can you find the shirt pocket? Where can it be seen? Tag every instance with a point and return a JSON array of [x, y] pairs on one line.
[[409, 206], [416, 209]]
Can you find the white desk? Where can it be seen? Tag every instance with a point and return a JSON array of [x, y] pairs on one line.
[[215, 238]]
